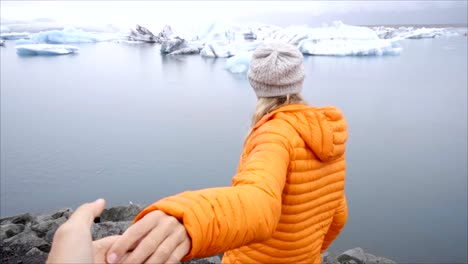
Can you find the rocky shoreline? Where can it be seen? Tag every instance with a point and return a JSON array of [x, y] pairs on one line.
[[27, 238]]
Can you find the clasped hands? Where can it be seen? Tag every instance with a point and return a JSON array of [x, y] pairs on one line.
[[156, 238]]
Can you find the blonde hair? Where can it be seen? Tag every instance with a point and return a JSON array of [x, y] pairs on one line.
[[267, 105]]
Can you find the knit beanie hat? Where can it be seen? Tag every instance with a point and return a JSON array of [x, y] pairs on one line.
[[276, 69]]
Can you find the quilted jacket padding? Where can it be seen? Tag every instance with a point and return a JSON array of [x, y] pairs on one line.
[[286, 203]]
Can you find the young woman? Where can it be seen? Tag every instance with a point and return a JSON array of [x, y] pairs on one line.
[[286, 203]]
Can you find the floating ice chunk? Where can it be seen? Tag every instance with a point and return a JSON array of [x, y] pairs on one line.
[[13, 36], [414, 33], [424, 33], [347, 47], [44, 49], [218, 50], [335, 40], [144, 35], [70, 35], [2, 42], [295, 34], [240, 62], [179, 46], [186, 51], [24, 41], [292, 35], [220, 40], [171, 45]]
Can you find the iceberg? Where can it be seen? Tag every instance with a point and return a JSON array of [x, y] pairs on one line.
[[262, 32], [13, 36], [338, 39], [24, 41], [44, 49], [415, 33], [295, 34], [240, 62], [218, 50], [178, 46], [347, 47], [69, 35], [2, 42], [144, 35], [172, 45], [225, 49], [186, 51], [424, 33]]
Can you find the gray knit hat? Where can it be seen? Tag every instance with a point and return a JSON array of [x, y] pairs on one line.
[[276, 69]]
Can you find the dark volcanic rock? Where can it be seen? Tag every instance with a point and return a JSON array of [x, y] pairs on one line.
[[109, 229], [35, 256], [371, 259], [210, 260], [355, 255], [67, 212], [120, 213], [22, 219], [16, 248], [26, 241], [9, 230], [330, 257], [42, 228]]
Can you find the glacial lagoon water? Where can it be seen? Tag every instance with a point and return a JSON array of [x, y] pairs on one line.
[[120, 121]]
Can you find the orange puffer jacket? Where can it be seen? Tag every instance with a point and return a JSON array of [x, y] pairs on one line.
[[287, 201]]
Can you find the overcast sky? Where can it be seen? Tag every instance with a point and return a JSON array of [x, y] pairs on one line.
[[281, 13]]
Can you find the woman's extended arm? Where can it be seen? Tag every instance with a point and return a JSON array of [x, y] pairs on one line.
[[219, 219]]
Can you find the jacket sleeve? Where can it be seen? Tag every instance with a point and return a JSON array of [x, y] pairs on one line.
[[339, 220], [219, 219]]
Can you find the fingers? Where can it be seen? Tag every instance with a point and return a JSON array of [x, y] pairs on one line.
[[100, 248], [172, 250], [181, 251], [133, 234], [148, 245], [86, 213], [105, 243]]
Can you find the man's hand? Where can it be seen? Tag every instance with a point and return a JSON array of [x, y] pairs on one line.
[[73, 241]]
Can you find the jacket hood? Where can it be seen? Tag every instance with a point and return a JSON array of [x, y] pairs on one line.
[[323, 129]]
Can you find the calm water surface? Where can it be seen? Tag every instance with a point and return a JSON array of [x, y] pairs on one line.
[[121, 122]]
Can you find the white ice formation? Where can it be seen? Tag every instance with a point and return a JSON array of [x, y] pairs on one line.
[[44, 49]]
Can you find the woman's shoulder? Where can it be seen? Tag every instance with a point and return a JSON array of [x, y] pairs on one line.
[[275, 130]]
